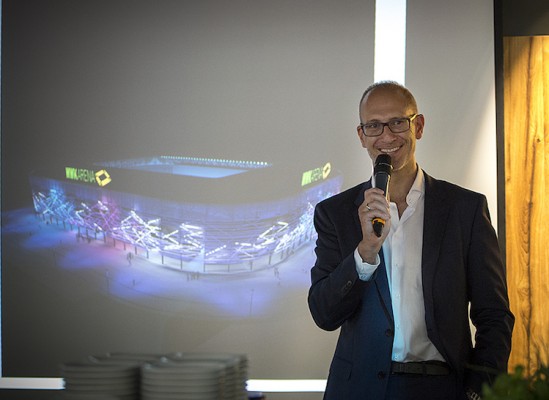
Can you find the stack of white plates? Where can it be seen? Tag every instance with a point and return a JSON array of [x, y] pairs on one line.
[[172, 380], [94, 379], [235, 365], [177, 376]]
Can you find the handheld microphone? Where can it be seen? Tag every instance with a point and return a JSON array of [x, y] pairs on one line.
[[382, 174]]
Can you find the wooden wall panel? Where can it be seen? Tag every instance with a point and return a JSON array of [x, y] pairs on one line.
[[526, 132]]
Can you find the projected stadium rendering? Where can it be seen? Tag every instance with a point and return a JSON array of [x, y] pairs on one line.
[[186, 213]]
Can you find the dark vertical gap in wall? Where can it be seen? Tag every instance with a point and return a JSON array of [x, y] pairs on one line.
[[500, 142]]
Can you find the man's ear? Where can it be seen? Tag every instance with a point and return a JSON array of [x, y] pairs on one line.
[[420, 124], [361, 137]]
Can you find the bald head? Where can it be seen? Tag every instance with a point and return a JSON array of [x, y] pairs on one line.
[[393, 87]]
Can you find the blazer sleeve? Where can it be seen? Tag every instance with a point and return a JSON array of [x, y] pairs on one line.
[[487, 292], [336, 291]]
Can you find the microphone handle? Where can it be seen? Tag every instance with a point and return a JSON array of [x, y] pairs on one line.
[[382, 182]]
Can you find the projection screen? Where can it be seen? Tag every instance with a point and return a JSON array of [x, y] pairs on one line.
[[161, 161]]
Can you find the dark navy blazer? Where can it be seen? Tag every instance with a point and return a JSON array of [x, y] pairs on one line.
[[461, 266]]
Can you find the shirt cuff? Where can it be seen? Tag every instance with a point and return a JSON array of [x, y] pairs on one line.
[[364, 269]]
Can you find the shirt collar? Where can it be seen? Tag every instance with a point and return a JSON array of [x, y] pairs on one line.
[[417, 191]]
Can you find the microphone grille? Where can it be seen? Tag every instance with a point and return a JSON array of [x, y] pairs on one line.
[[383, 164]]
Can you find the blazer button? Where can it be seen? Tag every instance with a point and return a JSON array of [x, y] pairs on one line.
[[389, 333], [381, 375], [347, 286]]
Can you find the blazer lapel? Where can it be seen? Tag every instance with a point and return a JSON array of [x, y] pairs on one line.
[[380, 275], [382, 285], [435, 217]]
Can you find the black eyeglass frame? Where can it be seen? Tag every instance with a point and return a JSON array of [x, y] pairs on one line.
[[387, 124]]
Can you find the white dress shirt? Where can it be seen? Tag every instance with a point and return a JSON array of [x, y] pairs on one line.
[[402, 254]]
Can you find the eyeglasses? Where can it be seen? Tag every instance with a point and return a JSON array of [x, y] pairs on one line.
[[396, 125]]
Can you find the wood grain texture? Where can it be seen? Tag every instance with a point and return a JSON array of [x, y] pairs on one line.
[[526, 119]]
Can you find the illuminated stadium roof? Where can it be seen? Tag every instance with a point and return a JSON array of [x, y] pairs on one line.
[[191, 179]]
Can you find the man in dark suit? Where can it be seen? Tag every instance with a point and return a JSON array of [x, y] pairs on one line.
[[402, 300]]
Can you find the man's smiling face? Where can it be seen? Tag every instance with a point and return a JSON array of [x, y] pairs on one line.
[[383, 105]]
